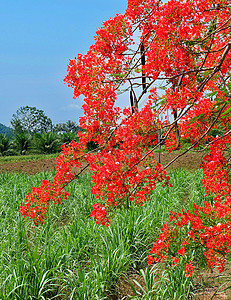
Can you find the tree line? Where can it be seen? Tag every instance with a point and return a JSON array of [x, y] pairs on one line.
[[34, 132]]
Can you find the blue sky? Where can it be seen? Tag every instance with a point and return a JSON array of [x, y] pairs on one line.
[[37, 39]]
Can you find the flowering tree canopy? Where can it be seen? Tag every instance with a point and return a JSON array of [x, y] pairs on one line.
[[171, 57]]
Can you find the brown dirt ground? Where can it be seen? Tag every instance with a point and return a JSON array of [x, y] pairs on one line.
[[29, 167], [190, 161]]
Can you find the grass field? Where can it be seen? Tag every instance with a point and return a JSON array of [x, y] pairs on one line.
[[22, 158], [73, 258]]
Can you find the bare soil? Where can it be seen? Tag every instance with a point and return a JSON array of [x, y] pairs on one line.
[[191, 161], [29, 167]]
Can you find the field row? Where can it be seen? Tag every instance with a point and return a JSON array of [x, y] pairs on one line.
[[73, 258]]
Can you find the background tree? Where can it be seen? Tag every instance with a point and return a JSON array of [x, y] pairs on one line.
[[67, 137], [45, 143], [30, 120], [5, 145], [59, 128], [22, 142], [69, 126]]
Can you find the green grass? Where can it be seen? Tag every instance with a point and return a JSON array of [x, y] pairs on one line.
[[29, 157], [71, 257]]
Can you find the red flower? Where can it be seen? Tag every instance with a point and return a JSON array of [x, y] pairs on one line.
[[181, 251], [189, 269], [175, 261]]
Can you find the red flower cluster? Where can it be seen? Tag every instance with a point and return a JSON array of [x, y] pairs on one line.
[[39, 198], [100, 213], [216, 175], [189, 269], [207, 227]]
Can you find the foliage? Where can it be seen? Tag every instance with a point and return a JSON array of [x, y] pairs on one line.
[[184, 47], [71, 257], [22, 143], [69, 126], [29, 157], [45, 143], [67, 137], [92, 145], [30, 120], [171, 285], [5, 145]]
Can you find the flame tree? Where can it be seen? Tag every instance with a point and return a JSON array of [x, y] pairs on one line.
[[183, 49]]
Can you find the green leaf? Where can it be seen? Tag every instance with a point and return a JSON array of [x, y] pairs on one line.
[[200, 117], [226, 113], [138, 70]]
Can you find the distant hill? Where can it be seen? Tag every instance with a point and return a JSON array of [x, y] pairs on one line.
[[6, 130]]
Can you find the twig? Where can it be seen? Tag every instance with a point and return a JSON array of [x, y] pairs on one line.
[[210, 143], [197, 142]]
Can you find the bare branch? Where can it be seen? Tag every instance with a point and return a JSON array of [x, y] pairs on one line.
[[201, 137], [224, 83], [210, 143]]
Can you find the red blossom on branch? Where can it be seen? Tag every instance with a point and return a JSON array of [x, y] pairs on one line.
[[184, 47]]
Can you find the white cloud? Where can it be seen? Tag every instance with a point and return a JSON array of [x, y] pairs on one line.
[[72, 106]]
